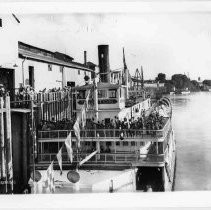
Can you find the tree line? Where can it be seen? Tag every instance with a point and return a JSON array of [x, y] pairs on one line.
[[180, 82]]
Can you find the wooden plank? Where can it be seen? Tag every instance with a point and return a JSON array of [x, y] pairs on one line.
[[53, 107], [56, 110], [48, 108], [3, 168], [9, 142], [59, 109]]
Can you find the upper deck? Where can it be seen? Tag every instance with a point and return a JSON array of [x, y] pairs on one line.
[[107, 134], [145, 147]]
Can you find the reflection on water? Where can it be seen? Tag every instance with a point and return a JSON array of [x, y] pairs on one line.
[[192, 123]]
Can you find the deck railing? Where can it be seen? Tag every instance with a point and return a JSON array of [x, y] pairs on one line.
[[106, 133], [104, 158], [101, 133], [22, 99]]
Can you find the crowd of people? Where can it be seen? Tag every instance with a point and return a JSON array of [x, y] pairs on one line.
[[3, 91], [28, 90], [23, 95], [113, 127]]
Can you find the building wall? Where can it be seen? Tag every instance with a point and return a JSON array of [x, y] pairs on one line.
[[75, 75], [43, 78]]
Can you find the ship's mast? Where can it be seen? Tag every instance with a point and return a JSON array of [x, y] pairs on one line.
[[95, 99], [142, 77], [126, 74]]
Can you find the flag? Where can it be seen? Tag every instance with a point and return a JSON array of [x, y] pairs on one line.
[[10, 170], [124, 62], [68, 144], [84, 110], [125, 72], [49, 182], [59, 158], [76, 129], [83, 117]]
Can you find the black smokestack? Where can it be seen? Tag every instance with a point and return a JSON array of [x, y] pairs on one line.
[[104, 67]]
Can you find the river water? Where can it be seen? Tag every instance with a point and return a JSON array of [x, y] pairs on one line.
[[192, 127]]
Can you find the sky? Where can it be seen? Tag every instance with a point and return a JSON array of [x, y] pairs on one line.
[[161, 42]]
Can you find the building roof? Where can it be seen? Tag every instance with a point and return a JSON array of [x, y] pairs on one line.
[[41, 55], [90, 64], [63, 57]]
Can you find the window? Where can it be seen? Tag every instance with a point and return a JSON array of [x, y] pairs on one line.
[[132, 143], [87, 143], [49, 67], [61, 68], [0, 22], [108, 143], [112, 93], [125, 143], [70, 84], [102, 94], [142, 143], [79, 72]]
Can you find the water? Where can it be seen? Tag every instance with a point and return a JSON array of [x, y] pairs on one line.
[[192, 123]]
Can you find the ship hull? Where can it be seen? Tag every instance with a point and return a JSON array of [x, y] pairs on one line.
[[159, 178]]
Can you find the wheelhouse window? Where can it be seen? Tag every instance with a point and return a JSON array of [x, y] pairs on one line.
[[102, 94], [125, 143], [117, 143], [112, 93], [132, 143]]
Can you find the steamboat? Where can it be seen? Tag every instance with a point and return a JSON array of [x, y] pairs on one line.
[[125, 131]]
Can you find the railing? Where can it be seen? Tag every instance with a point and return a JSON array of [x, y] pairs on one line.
[[106, 133], [105, 158], [22, 99], [102, 133]]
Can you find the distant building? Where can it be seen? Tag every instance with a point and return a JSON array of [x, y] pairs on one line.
[[153, 84]]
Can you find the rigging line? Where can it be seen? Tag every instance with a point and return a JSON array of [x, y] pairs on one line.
[[16, 18]]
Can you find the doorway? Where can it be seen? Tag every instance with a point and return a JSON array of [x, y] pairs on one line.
[[7, 79]]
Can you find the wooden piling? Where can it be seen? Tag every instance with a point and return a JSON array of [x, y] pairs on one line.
[[3, 168], [9, 143]]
